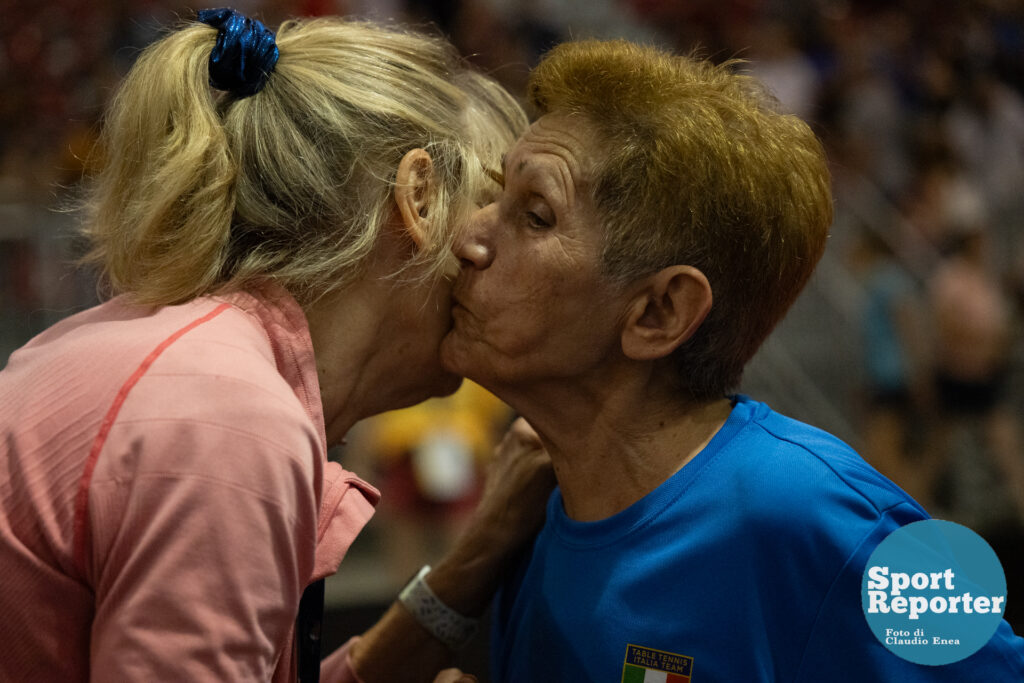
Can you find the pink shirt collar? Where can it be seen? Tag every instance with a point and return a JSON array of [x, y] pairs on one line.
[[286, 326], [342, 514]]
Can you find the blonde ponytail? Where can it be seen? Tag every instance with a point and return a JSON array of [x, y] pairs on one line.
[[162, 206], [205, 192]]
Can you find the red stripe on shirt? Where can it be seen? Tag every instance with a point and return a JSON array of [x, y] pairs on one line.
[[81, 528]]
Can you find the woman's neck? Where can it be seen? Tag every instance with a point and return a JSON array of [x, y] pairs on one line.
[[343, 328], [610, 448], [376, 350]]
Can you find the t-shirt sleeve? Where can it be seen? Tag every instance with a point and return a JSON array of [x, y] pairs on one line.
[[204, 537], [842, 648]]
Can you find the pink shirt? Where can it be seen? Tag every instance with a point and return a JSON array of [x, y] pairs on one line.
[[165, 495]]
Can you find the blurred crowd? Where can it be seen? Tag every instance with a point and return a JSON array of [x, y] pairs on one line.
[[921, 107]]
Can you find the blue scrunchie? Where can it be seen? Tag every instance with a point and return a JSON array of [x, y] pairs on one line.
[[244, 55]]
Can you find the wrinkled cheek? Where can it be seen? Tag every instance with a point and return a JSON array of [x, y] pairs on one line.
[[464, 325], [512, 339]]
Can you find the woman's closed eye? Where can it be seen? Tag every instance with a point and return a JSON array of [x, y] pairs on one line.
[[536, 221], [537, 212]]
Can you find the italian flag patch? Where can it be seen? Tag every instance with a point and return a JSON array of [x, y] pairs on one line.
[[647, 665]]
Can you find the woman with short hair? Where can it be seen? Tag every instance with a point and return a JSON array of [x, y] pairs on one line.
[[656, 222]]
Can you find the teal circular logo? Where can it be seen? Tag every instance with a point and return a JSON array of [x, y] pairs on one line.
[[933, 592]]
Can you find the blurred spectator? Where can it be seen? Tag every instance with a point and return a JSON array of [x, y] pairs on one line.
[[895, 352], [986, 129], [861, 107], [973, 336], [429, 461], [977, 436], [780, 65]]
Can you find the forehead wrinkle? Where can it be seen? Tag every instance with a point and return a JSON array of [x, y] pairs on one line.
[[567, 163]]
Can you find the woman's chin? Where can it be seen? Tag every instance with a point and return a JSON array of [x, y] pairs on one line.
[[438, 386]]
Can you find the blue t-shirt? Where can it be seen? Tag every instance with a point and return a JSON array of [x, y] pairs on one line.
[[744, 566]]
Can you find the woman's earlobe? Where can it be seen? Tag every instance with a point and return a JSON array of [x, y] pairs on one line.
[[414, 192]]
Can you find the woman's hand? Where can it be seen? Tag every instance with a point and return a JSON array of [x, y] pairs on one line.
[[454, 676], [511, 510], [519, 481]]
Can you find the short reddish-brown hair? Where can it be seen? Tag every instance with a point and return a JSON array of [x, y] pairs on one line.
[[697, 166]]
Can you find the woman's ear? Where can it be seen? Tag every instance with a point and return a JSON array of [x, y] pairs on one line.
[[666, 311], [413, 191]]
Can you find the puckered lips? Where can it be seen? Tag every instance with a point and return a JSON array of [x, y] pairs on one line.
[[457, 305]]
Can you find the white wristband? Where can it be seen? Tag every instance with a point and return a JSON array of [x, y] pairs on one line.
[[444, 623]]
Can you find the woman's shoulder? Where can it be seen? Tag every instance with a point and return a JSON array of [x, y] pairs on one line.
[[75, 371], [218, 368], [201, 366], [210, 400], [792, 474]]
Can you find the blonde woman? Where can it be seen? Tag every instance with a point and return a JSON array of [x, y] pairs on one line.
[[275, 217]]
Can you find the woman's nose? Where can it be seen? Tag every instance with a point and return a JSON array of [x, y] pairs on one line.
[[474, 246]]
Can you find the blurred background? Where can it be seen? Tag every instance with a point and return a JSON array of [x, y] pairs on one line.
[[905, 344]]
